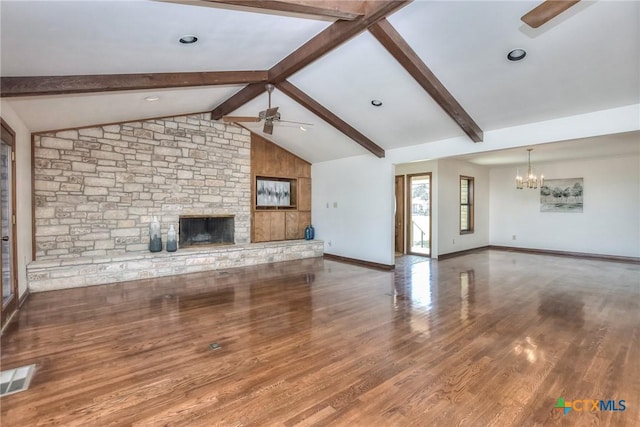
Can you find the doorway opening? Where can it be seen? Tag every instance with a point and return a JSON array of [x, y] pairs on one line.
[[419, 214]]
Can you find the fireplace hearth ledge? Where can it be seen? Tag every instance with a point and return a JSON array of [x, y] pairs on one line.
[[65, 273]]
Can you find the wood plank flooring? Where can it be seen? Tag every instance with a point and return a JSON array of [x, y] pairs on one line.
[[491, 338]]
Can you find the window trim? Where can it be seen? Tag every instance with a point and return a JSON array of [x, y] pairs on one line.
[[470, 203]]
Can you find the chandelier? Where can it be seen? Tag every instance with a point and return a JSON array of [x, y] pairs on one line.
[[530, 181]]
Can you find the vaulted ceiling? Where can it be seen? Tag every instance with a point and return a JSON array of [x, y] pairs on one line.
[[439, 67]]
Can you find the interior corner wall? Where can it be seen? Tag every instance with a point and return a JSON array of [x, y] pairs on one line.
[[608, 225], [449, 237], [23, 191], [429, 166], [352, 207]]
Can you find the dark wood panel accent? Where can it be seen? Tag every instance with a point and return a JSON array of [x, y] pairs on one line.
[[304, 219], [291, 226], [277, 226], [546, 11], [304, 194], [55, 85], [262, 226], [494, 341], [360, 262], [327, 40], [406, 56], [347, 11], [270, 160], [312, 105]]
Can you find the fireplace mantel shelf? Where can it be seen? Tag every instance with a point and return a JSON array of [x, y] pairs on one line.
[[46, 275]]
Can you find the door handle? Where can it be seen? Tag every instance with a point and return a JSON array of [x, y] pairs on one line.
[[5, 238]]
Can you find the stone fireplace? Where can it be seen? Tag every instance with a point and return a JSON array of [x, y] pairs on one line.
[[206, 230]]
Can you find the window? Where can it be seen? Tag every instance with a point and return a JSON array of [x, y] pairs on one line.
[[466, 204]]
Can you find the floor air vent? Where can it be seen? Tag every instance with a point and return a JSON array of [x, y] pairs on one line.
[[16, 380]]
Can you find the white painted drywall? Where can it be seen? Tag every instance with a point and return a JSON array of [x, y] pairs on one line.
[[358, 222], [23, 190], [449, 237], [609, 224]]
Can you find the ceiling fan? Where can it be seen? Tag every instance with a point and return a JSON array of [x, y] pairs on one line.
[[546, 11], [270, 115]]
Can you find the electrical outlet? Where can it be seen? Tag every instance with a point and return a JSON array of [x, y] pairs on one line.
[[454, 241], [513, 237]]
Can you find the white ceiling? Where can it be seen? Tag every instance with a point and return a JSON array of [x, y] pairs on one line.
[[620, 144], [585, 60]]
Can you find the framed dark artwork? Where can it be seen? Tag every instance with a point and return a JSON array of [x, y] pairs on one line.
[[273, 192]]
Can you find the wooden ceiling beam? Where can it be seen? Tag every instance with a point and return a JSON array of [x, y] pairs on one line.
[[384, 32], [245, 95], [57, 85], [312, 105], [327, 40], [546, 11], [332, 37], [345, 10]]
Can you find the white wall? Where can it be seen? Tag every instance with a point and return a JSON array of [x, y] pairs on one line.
[[423, 167], [609, 224], [23, 190], [449, 237], [361, 226]]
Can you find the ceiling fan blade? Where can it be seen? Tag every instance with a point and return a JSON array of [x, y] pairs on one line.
[[546, 11], [295, 123], [268, 127], [239, 119]]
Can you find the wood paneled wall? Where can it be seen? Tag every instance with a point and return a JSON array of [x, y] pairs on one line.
[[269, 160]]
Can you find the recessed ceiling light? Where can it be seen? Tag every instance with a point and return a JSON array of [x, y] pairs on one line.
[[152, 98], [303, 129], [516, 55], [376, 102], [189, 39]]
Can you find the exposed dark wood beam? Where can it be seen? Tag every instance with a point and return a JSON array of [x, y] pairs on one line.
[[346, 10], [245, 95], [332, 37], [546, 11], [406, 56], [56, 85], [312, 105]]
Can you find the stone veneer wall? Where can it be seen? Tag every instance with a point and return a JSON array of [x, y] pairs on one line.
[[97, 189]]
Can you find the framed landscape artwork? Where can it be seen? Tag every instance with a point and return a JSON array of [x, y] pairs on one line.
[[562, 195]]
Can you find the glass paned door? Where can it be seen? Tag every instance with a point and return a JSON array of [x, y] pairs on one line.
[[7, 247], [419, 209]]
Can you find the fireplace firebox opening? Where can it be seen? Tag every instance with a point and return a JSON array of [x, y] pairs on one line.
[[206, 230]]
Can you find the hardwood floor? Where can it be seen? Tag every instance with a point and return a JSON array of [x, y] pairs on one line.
[[486, 339]]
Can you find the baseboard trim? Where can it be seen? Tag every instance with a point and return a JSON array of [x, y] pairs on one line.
[[362, 263], [460, 253], [630, 260], [23, 298]]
